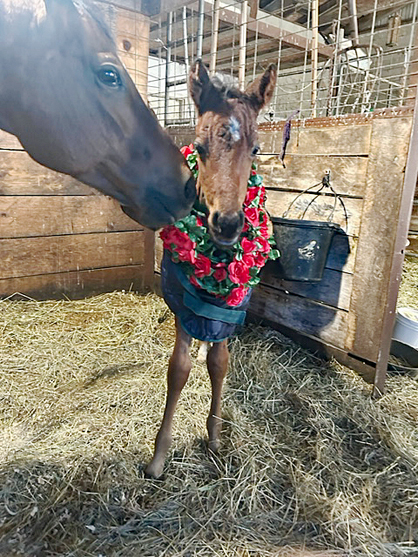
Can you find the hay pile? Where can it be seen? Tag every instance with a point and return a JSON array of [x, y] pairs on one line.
[[308, 459]]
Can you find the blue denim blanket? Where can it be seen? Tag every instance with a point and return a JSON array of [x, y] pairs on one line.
[[202, 315]]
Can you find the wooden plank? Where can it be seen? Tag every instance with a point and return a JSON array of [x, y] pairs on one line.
[[74, 284], [348, 174], [321, 348], [54, 254], [22, 216], [9, 141], [307, 317], [278, 202], [334, 289], [21, 175], [385, 175], [132, 40], [182, 135]]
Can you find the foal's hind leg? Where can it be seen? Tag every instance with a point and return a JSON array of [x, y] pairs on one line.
[[178, 372], [217, 362]]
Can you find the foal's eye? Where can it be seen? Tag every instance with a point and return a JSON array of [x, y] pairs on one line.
[[255, 150], [200, 150], [109, 75]]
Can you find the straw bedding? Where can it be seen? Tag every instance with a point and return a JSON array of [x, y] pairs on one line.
[[308, 460]]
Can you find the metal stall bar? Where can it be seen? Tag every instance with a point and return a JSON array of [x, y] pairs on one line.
[[314, 50], [215, 33], [201, 22], [243, 43], [167, 65]]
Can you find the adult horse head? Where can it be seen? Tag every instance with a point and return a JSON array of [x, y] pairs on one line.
[[226, 141], [68, 98]]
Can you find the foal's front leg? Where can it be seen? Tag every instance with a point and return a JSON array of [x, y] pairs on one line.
[[178, 372], [217, 362]]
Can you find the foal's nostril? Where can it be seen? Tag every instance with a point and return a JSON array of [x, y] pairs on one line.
[[241, 219], [190, 189], [228, 225]]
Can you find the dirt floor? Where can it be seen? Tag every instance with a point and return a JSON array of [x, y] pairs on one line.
[[308, 459]]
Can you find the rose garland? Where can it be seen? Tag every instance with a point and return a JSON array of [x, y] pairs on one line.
[[226, 273]]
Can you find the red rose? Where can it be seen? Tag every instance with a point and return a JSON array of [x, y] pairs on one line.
[[248, 259], [236, 296], [253, 172], [220, 274], [193, 280], [264, 245], [259, 260], [238, 272], [202, 266], [199, 221], [264, 230], [186, 255], [172, 235], [253, 216], [187, 150], [248, 245], [251, 195], [245, 228]]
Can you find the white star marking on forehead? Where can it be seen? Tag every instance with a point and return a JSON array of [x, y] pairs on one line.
[[234, 128]]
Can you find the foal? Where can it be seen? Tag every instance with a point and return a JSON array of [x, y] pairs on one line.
[[226, 143]]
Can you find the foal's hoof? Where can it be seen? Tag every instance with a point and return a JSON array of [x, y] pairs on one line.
[[154, 471], [214, 446]]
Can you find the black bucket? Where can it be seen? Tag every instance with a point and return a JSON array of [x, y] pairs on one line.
[[303, 246]]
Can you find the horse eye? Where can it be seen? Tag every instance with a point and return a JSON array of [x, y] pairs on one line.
[[109, 76], [255, 150]]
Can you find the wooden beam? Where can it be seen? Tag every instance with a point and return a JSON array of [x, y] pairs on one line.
[[268, 25]]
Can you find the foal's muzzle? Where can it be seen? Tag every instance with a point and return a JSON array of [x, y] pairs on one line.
[[226, 227]]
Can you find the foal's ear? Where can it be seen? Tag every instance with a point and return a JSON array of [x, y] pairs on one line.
[[260, 91], [204, 94]]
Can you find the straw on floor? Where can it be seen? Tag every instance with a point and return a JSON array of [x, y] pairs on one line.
[[308, 459]]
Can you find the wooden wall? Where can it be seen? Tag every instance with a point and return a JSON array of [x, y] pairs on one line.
[[57, 236], [342, 314]]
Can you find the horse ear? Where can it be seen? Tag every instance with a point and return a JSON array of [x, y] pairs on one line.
[[260, 91], [204, 94], [64, 11]]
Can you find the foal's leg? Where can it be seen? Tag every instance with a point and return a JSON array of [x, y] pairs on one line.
[[178, 372], [217, 362]]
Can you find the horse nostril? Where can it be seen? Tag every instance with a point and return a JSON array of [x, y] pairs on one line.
[[215, 219], [190, 189]]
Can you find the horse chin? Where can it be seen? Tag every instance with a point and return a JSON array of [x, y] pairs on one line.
[[144, 217]]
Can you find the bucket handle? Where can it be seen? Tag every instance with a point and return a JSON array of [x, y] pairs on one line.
[[325, 183]]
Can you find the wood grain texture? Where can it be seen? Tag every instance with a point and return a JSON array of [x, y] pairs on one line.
[[132, 39], [385, 176], [348, 174], [278, 202], [21, 175], [306, 316], [74, 284], [334, 289], [22, 216], [55, 254], [351, 140]]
